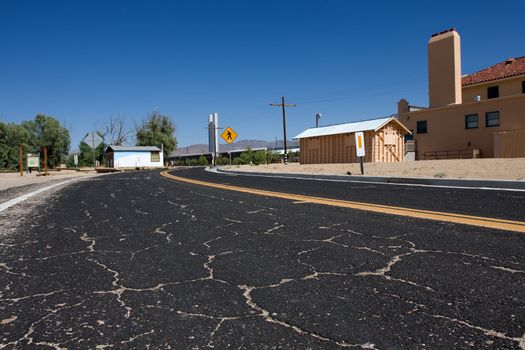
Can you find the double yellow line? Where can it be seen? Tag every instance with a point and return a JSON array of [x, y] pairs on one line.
[[498, 224]]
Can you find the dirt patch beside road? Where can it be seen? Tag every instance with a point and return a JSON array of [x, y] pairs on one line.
[[502, 169], [9, 180]]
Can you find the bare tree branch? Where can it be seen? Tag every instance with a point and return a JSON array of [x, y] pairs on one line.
[[115, 131]]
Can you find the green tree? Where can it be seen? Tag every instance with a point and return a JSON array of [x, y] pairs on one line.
[[11, 136], [48, 132], [70, 162], [156, 130], [85, 158]]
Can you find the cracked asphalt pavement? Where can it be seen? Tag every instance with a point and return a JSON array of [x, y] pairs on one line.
[[135, 260]]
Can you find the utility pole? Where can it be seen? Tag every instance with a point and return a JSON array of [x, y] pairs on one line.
[[283, 105], [317, 117]]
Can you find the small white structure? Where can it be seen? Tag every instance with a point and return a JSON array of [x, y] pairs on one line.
[[126, 157]]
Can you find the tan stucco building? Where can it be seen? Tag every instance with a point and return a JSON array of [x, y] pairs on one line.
[[476, 115]]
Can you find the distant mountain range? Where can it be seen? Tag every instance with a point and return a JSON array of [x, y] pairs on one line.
[[240, 145]]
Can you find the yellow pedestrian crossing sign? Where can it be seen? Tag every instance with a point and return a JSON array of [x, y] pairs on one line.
[[229, 135]]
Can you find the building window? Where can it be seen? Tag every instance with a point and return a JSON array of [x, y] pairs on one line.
[[492, 119], [155, 157], [523, 87], [422, 127], [493, 92], [409, 137], [471, 121]]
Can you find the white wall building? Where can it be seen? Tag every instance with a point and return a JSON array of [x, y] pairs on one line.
[[126, 157]]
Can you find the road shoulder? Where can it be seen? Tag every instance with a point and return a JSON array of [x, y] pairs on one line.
[[433, 182]]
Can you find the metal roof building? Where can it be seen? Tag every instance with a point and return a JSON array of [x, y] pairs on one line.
[[384, 142], [132, 157], [133, 148]]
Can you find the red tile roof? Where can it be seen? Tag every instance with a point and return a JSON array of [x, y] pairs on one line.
[[508, 68]]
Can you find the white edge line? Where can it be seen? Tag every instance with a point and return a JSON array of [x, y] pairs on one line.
[[14, 201], [368, 182]]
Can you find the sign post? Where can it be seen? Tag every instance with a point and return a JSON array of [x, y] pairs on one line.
[[360, 148], [45, 161], [20, 160], [33, 161], [94, 142], [75, 159]]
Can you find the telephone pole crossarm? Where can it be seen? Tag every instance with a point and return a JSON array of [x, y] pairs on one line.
[[280, 105]]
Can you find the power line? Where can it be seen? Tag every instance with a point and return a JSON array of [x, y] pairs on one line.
[[390, 86], [357, 96]]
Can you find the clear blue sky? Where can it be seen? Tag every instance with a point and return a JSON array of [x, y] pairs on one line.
[[84, 61]]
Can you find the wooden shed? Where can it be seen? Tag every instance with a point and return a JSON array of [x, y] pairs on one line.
[[384, 142]]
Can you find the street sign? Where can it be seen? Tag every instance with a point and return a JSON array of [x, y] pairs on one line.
[[33, 160], [229, 135], [75, 159], [360, 148], [360, 144], [93, 139]]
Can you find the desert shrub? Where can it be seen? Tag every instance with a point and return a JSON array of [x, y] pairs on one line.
[[259, 157], [252, 157], [222, 161], [293, 156], [203, 161], [272, 157], [246, 157], [192, 162]]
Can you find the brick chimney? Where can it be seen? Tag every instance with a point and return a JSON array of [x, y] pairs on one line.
[[444, 69]]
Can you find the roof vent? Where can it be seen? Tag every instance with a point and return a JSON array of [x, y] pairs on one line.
[[509, 60]]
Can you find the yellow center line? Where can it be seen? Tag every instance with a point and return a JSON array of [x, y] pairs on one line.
[[499, 224]]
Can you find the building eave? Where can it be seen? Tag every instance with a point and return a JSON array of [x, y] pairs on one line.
[[492, 81], [470, 103]]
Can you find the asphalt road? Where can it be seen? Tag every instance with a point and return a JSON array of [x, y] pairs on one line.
[[488, 203], [136, 260]]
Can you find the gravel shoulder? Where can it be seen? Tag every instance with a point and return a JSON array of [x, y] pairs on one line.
[[10, 180], [13, 185], [487, 169]]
